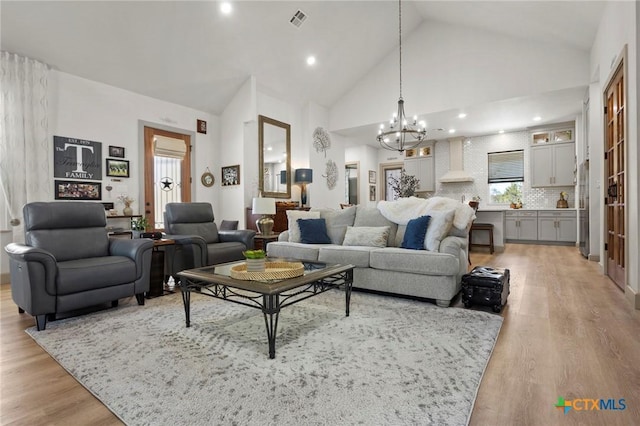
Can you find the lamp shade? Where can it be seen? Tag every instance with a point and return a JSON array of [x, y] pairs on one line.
[[303, 176], [264, 206]]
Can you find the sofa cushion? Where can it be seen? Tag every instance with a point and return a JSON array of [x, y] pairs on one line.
[[371, 216], [370, 236], [439, 226], [358, 256], [299, 251], [337, 222], [313, 231], [293, 216], [414, 261], [415, 233], [104, 272]]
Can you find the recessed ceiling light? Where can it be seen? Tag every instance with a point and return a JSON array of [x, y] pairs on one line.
[[225, 7], [462, 115], [537, 118], [501, 131], [452, 130], [311, 60]]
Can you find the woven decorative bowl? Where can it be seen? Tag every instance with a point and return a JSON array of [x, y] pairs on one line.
[[273, 271]]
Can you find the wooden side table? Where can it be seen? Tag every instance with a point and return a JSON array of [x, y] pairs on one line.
[[260, 241], [156, 275]]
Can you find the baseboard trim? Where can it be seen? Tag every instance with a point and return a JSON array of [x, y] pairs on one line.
[[594, 257], [5, 278], [632, 297]]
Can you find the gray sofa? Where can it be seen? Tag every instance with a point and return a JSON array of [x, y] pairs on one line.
[[434, 274], [68, 262], [199, 242]]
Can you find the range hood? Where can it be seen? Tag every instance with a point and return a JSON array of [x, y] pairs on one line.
[[456, 171]]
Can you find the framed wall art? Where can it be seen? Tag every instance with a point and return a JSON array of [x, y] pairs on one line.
[[116, 151], [231, 175], [372, 192], [117, 168], [74, 190], [372, 176], [77, 158]]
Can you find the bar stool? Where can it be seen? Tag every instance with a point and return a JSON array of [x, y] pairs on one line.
[[482, 227]]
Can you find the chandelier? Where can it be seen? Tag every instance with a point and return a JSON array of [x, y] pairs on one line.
[[401, 134]]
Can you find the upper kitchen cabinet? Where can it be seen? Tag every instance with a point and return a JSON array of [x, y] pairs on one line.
[[553, 165], [553, 159], [419, 162]]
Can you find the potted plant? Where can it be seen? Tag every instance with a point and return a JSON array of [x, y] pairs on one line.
[[139, 225], [475, 202], [256, 260], [404, 187]]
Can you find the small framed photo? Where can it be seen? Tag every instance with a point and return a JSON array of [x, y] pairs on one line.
[[372, 192], [74, 190], [117, 168], [372, 176], [231, 175], [116, 151]]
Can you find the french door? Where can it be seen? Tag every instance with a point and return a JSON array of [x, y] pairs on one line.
[[615, 150], [167, 172]]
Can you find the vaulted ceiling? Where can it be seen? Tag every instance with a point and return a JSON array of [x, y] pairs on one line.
[[189, 53]]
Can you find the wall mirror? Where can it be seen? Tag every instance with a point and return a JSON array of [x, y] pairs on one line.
[[274, 168]]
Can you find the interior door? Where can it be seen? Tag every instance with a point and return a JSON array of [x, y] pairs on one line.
[[614, 155], [167, 177]]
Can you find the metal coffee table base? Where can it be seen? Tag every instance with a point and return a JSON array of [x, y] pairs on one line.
[[270, 304]]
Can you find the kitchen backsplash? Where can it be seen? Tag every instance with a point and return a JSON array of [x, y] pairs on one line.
[[476, 164]]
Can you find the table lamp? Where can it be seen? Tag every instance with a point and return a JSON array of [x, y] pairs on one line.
[[303, 177], [265, 207]]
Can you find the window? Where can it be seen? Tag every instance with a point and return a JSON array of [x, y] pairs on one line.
[[506, 174]]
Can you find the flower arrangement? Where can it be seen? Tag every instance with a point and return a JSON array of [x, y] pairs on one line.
[[404, 187], [125, 199], [140, 223]]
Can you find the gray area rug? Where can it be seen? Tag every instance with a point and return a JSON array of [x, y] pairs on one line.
[[391, 362]]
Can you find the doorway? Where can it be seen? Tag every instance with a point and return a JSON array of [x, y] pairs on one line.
[[614, 163], [167, 177], [389, 170], [352, 182]]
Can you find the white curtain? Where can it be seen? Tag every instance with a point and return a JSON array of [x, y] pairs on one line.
[[24, 140]]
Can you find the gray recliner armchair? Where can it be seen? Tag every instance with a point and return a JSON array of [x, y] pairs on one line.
[[68, 261], [198, 240]]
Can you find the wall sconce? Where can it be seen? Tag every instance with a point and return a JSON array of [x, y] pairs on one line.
[[303, 177]]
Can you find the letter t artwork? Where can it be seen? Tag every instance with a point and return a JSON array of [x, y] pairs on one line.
[[77, 158]]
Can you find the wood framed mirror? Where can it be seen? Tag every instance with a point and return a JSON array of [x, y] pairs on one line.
[[274, 154]]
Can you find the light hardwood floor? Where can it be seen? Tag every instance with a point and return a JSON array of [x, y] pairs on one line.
[[567, 332]]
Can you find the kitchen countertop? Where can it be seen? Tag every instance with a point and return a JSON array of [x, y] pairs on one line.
[[505, 209]]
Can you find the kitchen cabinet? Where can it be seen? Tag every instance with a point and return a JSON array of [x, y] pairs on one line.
[[421, 165], [552, 136], [553, 165], [556, 225], [521, 225]]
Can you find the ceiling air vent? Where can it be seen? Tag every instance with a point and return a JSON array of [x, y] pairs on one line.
[[298, 18]]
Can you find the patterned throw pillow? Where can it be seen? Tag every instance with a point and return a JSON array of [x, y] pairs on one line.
[[313, 231], [415, 233], [368, 236], [294, 229]]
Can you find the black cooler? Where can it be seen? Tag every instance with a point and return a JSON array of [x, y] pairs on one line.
[[486, 286]]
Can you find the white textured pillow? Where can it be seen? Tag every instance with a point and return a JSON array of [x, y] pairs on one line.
[[294, 229], [369, 236], [439, 226]]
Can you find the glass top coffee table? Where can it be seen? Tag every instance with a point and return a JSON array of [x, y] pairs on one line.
[[270, 295]]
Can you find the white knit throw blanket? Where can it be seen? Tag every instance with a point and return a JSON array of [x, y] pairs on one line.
[[402, 210]]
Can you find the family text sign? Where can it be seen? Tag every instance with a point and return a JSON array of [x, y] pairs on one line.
[[77, 158]]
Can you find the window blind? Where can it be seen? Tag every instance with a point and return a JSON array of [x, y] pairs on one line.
[[506, 166], [169, 147]]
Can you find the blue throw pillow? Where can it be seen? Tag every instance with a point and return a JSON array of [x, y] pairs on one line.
[[313, 231], [415, 233]]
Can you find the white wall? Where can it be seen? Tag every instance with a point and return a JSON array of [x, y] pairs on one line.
[[86, 109], [618, 27], [470, 67]]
